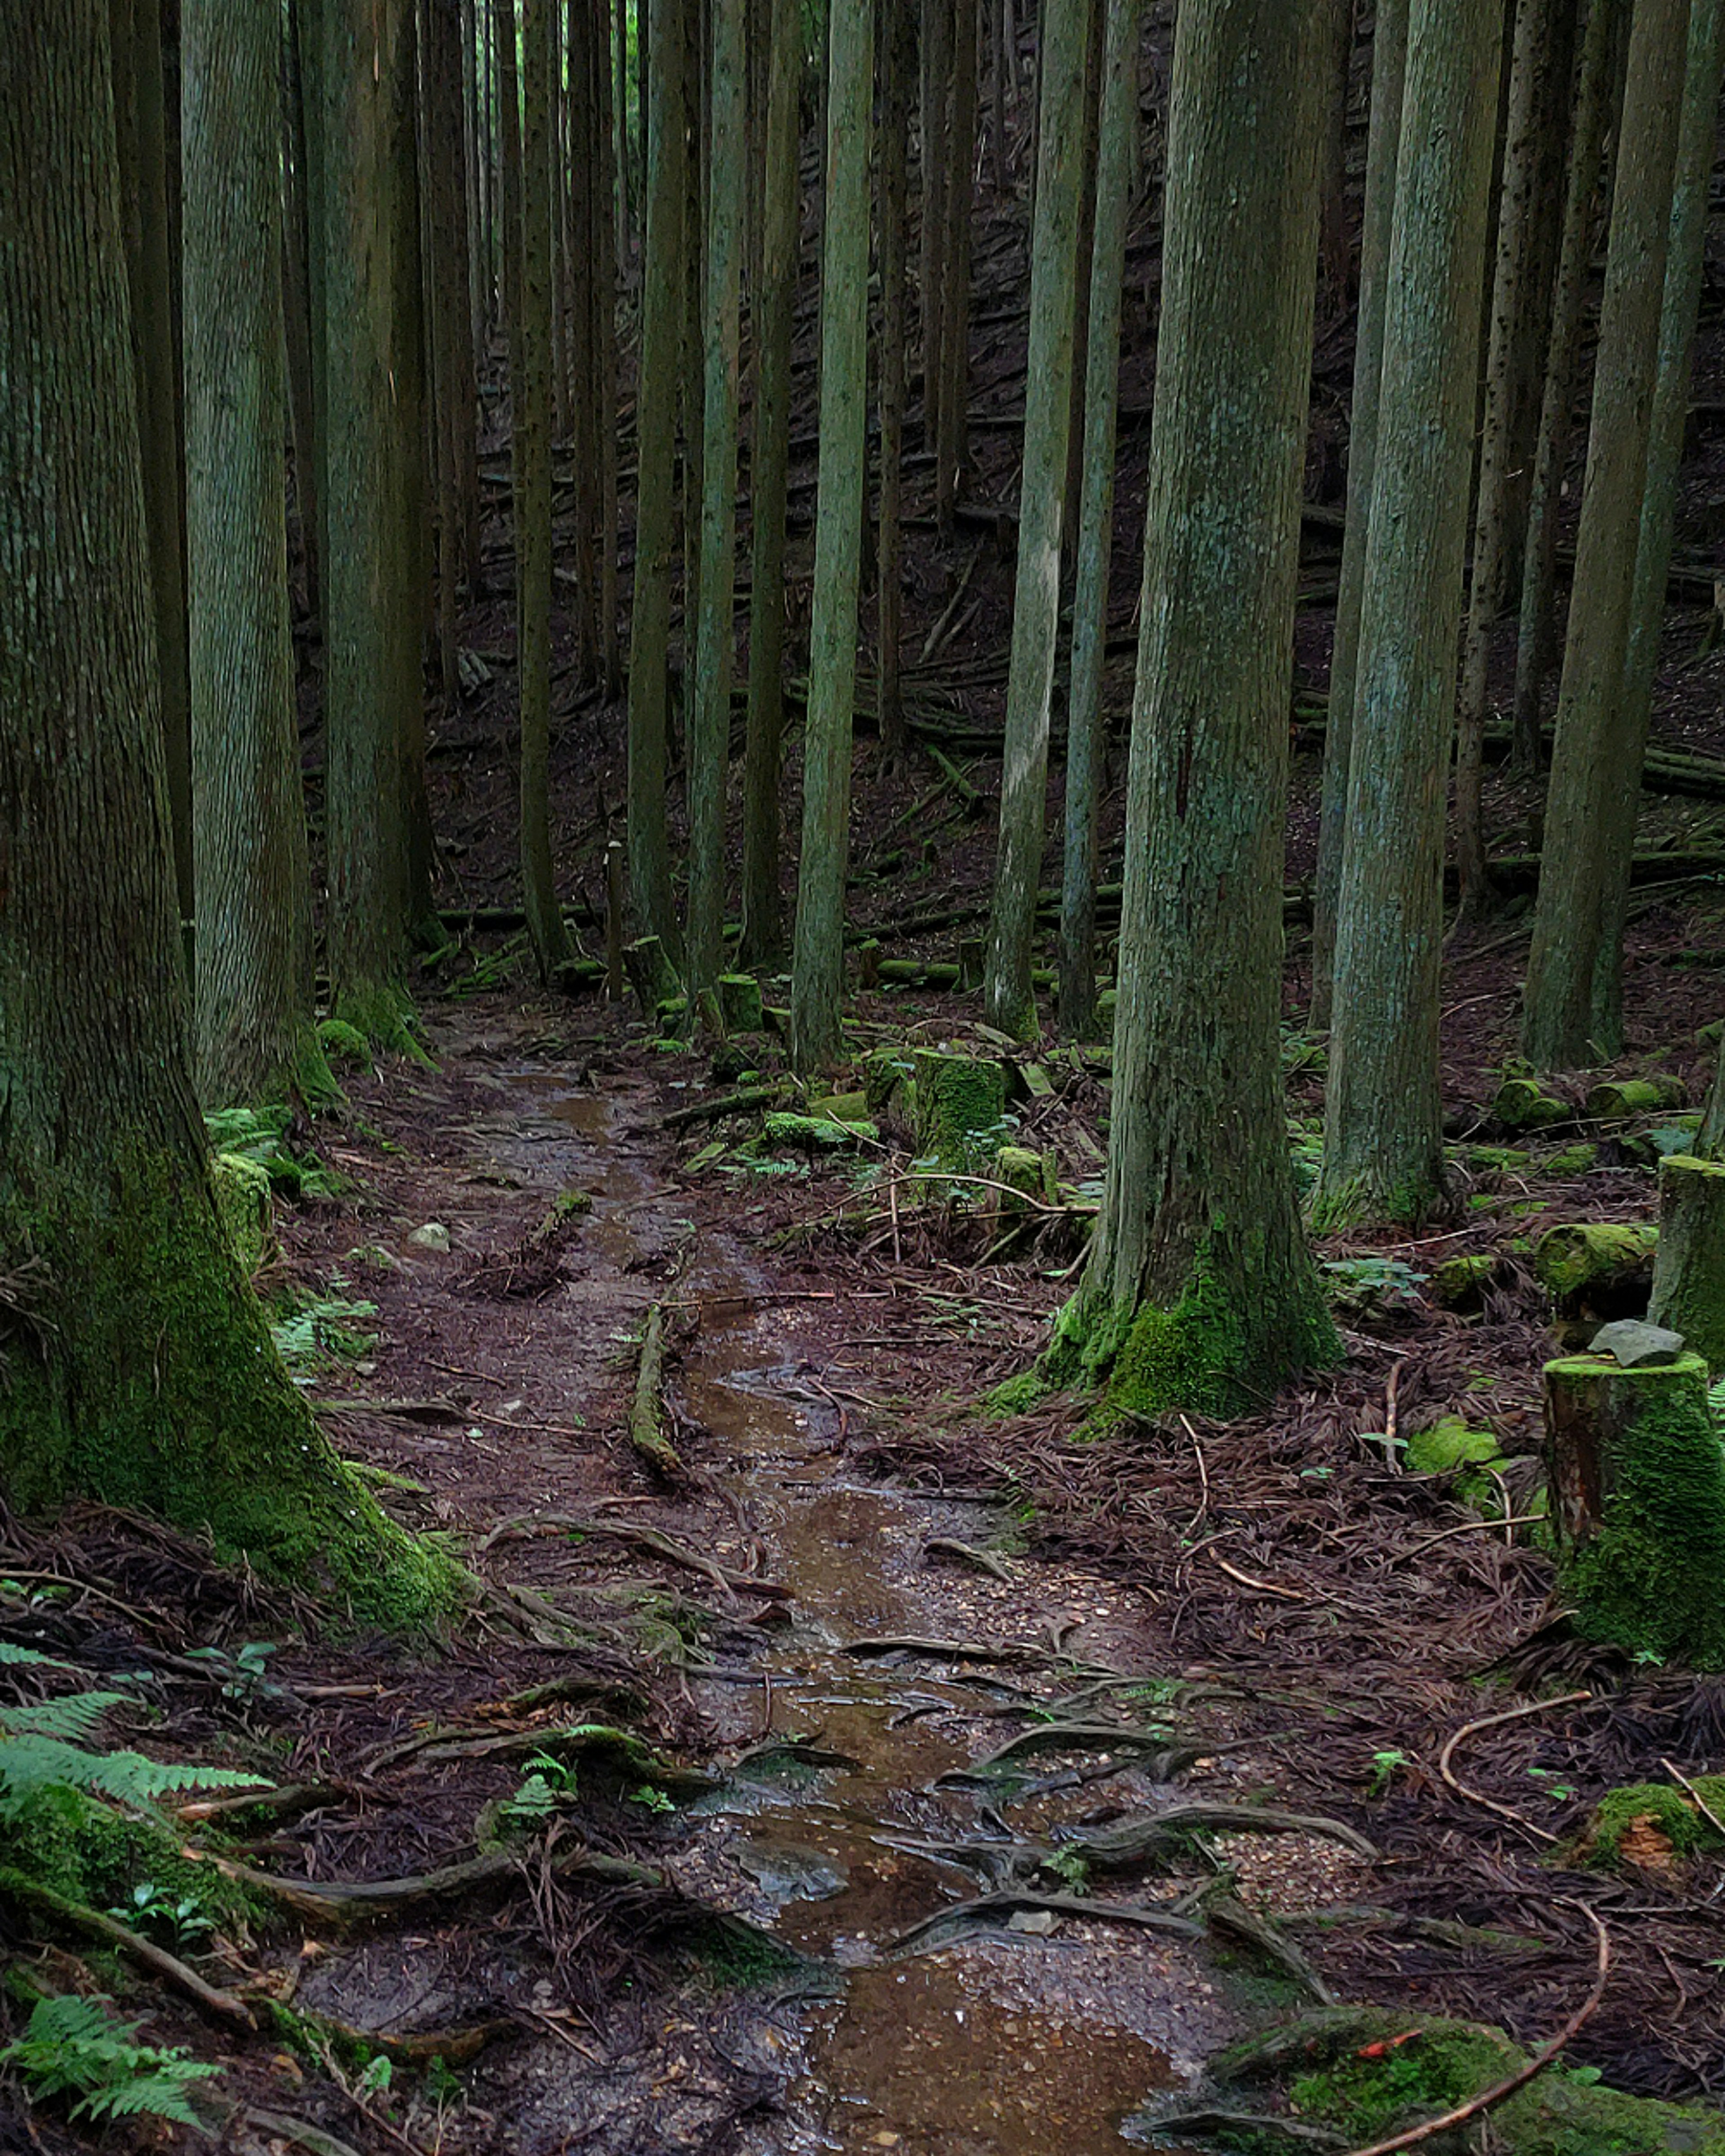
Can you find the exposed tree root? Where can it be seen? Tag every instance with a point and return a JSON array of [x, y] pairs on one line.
[[986, 1908], [74, 1916]]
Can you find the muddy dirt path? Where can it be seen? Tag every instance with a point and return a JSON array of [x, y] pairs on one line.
[[851, 1809]]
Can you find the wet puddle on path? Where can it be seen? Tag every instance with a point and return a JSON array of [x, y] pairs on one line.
[[1012, 2043]]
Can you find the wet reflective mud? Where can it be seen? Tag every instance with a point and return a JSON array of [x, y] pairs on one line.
[[1006, 2042]]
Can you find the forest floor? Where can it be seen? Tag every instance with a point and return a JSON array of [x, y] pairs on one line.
[[1267, 1613]]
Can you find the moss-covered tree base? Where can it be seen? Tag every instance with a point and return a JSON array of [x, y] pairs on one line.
[[1637, 1481], [384, 1015], [149, 1380], [1688, 1293], [1210, 1351]]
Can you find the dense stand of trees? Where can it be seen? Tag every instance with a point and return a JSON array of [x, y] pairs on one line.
[[270, 271]]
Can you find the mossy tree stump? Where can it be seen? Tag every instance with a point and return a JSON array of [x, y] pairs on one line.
[[961, 1103], [740, 1004], [1689, 1265], [1637, 1481], [1595, 1270], [651, 973]]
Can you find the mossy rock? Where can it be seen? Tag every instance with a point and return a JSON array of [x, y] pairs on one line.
[[841, 1108], [1582, 1258], [814, 1134], [1649, 1824], [1459, 1283], [242, 1188], [1522, 1104], [1028, 1173], [1016, 1395], [1573, 1160], [1498, 1160], [345, 1047], [1364, 2074], [1451, 1447], [1620, 1098]]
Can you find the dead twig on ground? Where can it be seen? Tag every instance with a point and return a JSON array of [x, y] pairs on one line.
[[1492, 1721]]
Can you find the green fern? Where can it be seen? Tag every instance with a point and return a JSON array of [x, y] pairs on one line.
[[74, 2047], [44, 1743]]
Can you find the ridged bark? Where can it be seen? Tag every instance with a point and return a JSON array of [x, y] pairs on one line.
[[1595, 777], [897, 61], [1516, 295], [1199, 1292], [253, 1001], [1085, 731], [1009, 998], [1383, 1124], [656, 520], [774, 309], [818, 966], [1535, 634], [709, 740], [952, 441], [139, 1369], [533, 498], [1389, 54]]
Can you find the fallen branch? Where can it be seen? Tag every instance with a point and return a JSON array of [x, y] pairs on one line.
[[222, 2004], [1536, 2064], [751, 1100], [968, 1554], [646, 1418], [1492, 1721]]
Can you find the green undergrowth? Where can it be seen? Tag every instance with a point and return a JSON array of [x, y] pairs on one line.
[[1357, 2076], [1654, 1814], [261, 1135]]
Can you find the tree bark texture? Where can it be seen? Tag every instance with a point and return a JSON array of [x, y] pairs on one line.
[[1595, 759], [715, 639], [254, 1038], [1085, 731], [656, 521], [897, 54], [1389, 54], [1199, 1292], [1008, 995], [772, 313], [139, 1369], [818, 964], [1383, 1128]]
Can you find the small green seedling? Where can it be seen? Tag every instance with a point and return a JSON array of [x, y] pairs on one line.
[[1383, 1767]]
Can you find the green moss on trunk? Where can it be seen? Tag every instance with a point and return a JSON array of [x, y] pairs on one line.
[[1689, 1264], [154, 1384]]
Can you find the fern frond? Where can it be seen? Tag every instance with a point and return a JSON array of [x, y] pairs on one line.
[[10, 1653], [72, 1718], [28, 1762]]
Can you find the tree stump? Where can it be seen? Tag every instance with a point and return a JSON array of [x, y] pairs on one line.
[[740, 1004], [1689, 1266], [961, 1104], [970, 964], [1637, 1482], [651, 973]]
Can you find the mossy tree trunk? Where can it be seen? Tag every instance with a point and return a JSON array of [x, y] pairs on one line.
[[1686, 248], [656, 521], [1382, 1133], [1389, 54], [1584, 185], [1689, 1261], [709, 739], [772, 312], [1538, 51], [1199, 1292], [1085, 730], [1009, 998], [818, 962], [952, 431], [1566, 1020], [254, 1041], [373, 622], [140, 147], [139, 1369]]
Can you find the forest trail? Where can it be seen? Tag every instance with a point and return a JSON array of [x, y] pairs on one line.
[[842, 1818]]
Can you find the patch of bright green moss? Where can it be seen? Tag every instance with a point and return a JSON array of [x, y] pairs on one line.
[[86, 1852], [1668, 1810], [242, 1188], [1017, 1395], [344, 1046], [1573, 1160]]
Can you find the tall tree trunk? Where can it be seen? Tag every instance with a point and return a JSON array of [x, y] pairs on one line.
[[139, 1369], [773, 311], [1515, 294], [896, 59], [532, 469], [296, 295], [818, 966], [935, 168], [606, 246], [254, 1041], [1596, 775], [1333, 253], [952, 443], [1199, 1292], [450, 350], [1602, 45], [509, 148], [1389, 54], [1383, 1125], [140, 143], [656, 481], [372, 631], [1008, 994], [715, 637], [1085, 730], [580, 292]]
